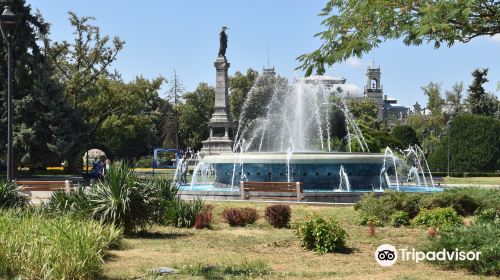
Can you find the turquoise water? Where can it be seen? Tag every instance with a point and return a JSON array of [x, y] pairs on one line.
[[207, 187]]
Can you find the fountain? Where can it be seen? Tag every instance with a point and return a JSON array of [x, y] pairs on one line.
[[284, 135], [301, 131]]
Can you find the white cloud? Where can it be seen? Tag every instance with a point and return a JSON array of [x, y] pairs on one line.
[[353, 62], [495, 38]]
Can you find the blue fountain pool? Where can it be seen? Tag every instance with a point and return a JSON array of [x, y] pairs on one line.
[[406, 188]]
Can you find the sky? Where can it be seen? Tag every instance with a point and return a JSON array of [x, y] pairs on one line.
[[163, 35]]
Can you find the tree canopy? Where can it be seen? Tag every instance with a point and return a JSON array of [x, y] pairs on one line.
[[353, 28], [478, 100]]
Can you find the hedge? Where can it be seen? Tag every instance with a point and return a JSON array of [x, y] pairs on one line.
[[474, 145]]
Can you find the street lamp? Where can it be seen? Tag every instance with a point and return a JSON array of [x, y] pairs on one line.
[[8, 26], [448, 125]]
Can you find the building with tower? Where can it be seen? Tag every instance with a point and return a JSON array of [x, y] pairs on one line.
[[388, 108]]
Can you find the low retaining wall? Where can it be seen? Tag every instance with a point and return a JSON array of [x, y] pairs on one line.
[[321, 197]]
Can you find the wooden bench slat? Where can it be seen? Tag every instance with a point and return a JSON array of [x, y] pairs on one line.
[[259, 190], [43, 185]]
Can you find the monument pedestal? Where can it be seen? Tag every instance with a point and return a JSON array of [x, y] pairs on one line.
[[221, 123]]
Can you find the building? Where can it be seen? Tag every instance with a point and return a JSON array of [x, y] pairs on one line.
[[389, 110]]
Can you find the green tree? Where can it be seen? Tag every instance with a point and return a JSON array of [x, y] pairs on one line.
[[365, 110], [194, 116], [478, 101], [40, 137], [435, 121], [81, 65], [239, 86], [453, 100], [128, 115], [356, 27], [406, 135]]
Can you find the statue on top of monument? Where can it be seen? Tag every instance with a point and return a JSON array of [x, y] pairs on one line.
[[223, 42]]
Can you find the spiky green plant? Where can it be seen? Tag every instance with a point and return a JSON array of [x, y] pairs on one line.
[[74, 203], [11, 196], [166, 193], [182, 213], [121, 199]]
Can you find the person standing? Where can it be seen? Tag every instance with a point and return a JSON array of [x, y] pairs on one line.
[[184, 170], [99, 167]]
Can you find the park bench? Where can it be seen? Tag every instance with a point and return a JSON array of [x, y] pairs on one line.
[[438, 181], [44, 185], [272, 190]]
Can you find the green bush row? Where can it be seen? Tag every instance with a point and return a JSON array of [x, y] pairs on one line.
[[36, 247], [464, 201], [473, 145], [479, 237]]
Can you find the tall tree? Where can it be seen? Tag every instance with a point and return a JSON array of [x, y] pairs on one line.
[[434, 101], [85, 60], [453, 99], [170, 121], [434, 125], [131, 124], [176, 90], [80, 65], [194, 116], [356, 27], [478, 101], [239, 86], [40, 137]]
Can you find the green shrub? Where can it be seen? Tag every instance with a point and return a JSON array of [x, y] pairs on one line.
[[278, 215], [485, 198], [489, 215], [240, 216], [36, 247], [400, 218], [121, 199], [367, 220], [482, 238], [74, 203], [438, 218], [182, 213], [462, 202], [383, 206], [372, 206], [11, 196], [321, 235]]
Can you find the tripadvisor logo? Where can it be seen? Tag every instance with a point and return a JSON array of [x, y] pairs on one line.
[[387, 255]]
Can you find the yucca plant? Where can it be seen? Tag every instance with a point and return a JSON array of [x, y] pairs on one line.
[[165, 193], [74, 203], [11, 196], [121, 199]]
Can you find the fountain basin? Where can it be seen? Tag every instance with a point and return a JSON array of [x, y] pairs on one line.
[[316, 170]]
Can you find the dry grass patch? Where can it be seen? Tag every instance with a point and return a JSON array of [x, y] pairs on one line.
[[262, 252]]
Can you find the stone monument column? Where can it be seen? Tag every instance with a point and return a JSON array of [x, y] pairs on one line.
[[221, 123]]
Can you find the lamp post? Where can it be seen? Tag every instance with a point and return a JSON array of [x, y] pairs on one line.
[[448, 125], [8, 26]]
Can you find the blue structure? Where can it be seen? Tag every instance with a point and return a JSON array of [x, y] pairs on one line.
[[156, 162], [318, 171]]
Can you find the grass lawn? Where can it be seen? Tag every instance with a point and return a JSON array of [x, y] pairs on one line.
[[262, 252], [473, 180]]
